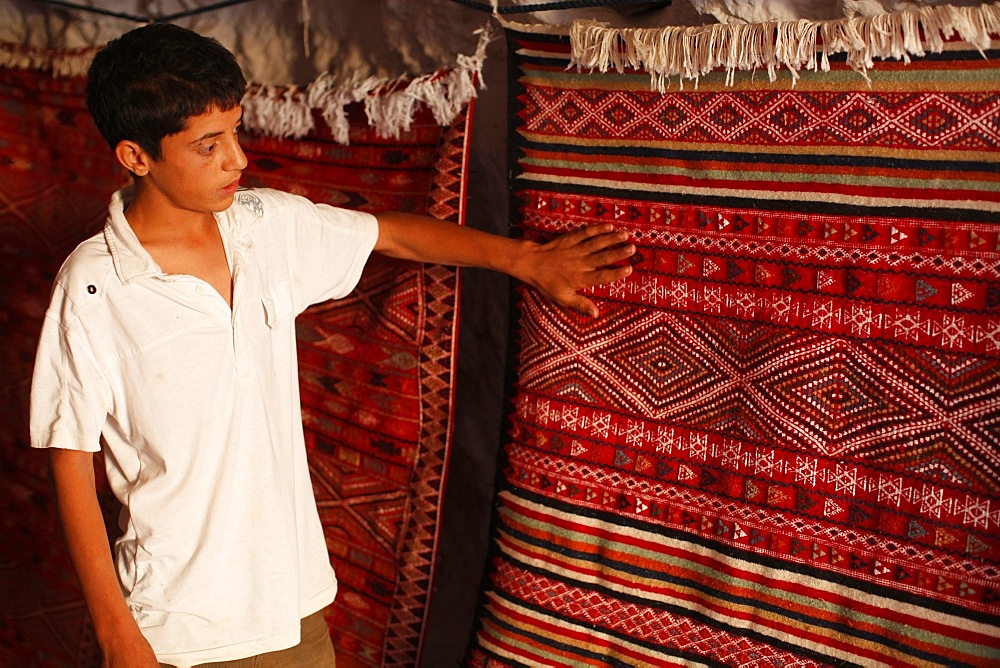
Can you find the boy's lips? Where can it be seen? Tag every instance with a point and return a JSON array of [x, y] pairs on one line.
[[232, 187]]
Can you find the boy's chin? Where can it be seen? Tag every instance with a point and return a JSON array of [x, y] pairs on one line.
[[224, 202]]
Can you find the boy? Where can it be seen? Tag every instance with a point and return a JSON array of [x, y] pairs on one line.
[[170, 338]]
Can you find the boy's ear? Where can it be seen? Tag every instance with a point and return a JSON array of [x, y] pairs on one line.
[[132, 157]]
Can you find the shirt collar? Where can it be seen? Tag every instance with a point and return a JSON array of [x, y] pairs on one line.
[[130, 259]]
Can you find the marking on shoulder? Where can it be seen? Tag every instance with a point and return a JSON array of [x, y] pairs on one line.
[[251, 202]]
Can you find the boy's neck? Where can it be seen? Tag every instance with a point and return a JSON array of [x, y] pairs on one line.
[[154, 219], [181, 241]]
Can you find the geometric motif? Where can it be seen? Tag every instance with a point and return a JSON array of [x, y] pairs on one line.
[[56, 175], [780, 440], [375, 374], [375, 368]]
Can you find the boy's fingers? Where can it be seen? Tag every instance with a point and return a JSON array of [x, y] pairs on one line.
[[593, 231], [582, 304], [606, 239], [608, 275], [609, 258], [612, 255], [595, 236]]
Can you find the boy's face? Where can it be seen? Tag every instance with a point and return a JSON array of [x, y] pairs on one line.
[[200, 167]]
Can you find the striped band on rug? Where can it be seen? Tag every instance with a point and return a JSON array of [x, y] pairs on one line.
[[375, 371], [779, 444], [375, 368]]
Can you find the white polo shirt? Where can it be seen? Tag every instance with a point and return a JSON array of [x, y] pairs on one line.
[[198, 408]]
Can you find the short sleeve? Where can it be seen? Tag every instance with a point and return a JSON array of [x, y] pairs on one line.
[[326, 247], [68, 395]]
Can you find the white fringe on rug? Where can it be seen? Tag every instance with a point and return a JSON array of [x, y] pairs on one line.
[[390, 104], [692, 52], [287, 111], [61, 62]]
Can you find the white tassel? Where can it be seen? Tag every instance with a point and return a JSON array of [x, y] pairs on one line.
[[332, 101], [389, 105], [692, 52], [390, 111], [282, 111], [62, 62], [277, 111], [444, 94]]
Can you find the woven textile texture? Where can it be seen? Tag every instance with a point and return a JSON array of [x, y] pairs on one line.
[[779, 444], [375, 368], [376, 378], [56, 175]]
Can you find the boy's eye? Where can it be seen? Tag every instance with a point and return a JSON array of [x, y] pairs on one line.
[[207, 149]]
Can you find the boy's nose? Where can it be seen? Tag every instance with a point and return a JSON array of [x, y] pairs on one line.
[[237, 158]]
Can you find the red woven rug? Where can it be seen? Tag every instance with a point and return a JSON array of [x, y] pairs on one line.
[[56, 175], [376, 367], [376, 378], [779, 444]]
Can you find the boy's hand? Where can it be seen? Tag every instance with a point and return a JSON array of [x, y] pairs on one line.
[[558, 269], [121, 641], [128, 649], [574, 261]]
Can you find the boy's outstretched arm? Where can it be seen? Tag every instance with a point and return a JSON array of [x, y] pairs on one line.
[[558, 269], [122, 644]]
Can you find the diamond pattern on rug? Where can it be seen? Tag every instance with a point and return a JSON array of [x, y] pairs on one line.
[[375, 368], [53, 194], [778, 442], [376, 378]]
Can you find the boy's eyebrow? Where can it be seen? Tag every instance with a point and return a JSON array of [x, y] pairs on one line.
[[207, 135], [210, 135]]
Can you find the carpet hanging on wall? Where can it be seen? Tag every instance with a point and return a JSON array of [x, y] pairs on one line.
[[376, 377], [376, 367], [56, 176], [779, 444]]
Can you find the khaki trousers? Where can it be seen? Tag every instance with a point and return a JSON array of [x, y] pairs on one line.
[[314, 651]]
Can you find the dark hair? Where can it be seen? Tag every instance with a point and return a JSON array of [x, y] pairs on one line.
[[144, 85]]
